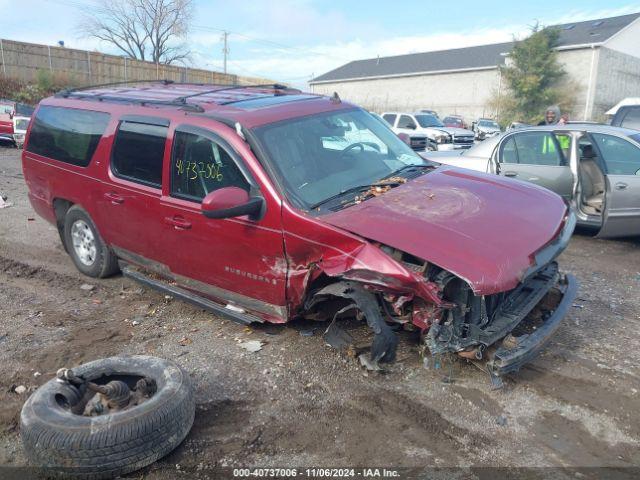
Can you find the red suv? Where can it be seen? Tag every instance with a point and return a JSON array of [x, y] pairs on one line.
[[267, 204]]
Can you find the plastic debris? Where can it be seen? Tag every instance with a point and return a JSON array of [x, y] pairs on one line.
[[252, 346]]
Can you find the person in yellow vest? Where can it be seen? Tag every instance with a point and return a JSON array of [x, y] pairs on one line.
[[551, 115]]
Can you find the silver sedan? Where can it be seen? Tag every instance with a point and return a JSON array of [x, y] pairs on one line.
[[594, 167]]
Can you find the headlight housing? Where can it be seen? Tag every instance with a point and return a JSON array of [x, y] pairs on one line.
[[443, 138]]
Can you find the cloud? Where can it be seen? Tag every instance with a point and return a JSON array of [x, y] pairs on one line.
[[298, 65]]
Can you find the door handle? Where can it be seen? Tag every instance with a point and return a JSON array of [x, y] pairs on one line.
[[621, 186], [114, 198], [178, 223], [510, 174]]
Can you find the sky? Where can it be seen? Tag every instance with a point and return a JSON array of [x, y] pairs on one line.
[[293, 40]]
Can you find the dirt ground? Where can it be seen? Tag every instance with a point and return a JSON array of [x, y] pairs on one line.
[[297, 402]]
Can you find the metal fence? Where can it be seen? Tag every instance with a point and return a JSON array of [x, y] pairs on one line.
[[22, 61]]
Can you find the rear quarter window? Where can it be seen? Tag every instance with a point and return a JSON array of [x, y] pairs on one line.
[[632, 119], [67, 135]]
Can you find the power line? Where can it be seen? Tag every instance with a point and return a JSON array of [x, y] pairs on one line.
[[264, 41]]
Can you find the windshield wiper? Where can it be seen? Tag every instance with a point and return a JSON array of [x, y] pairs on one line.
[[407, 167], [358, 188]]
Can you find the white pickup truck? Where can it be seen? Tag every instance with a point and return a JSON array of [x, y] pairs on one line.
[[441, 137]]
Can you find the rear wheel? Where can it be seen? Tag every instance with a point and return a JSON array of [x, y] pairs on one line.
[[85, 245]]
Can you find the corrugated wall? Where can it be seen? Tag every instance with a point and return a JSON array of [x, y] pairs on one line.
[[21, 60]]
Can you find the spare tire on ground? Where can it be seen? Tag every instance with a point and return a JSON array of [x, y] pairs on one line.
[[62, 440]]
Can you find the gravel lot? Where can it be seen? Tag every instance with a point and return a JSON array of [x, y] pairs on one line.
[[298, 402]]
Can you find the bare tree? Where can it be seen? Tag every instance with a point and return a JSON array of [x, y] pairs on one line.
[[143, 29]]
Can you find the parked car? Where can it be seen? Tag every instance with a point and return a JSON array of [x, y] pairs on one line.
[[441, 137], [236, 199], [21, 121], [418, 142], [517, 125], [14, 121], [627, 116], [454, 121], [7, 110], [486, 128], [595, 167], [430, 112]]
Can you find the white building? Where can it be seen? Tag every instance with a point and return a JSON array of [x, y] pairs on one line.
[[601, 58]]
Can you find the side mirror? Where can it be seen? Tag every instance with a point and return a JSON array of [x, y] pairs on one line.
[[11, 115], [231, 202]]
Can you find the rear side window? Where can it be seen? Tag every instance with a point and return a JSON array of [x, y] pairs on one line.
[[390, 118], [534, 148], [509, 152], [66, 134], [406, 122], [632, 119], [138, 153]]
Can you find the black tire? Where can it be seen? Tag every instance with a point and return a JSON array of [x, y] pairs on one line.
[[63, 444], [105, 262]]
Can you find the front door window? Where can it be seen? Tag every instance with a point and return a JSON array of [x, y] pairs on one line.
[[199, 166]]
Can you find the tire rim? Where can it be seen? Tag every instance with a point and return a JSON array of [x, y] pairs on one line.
[[84, 242]]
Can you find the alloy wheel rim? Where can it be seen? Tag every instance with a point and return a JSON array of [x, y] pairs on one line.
[[84, 242]]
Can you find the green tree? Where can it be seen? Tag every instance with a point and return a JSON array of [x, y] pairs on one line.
[[532, 75]]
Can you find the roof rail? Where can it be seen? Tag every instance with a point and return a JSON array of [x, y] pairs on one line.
[[274, 86], [67, 91], [176, 102]]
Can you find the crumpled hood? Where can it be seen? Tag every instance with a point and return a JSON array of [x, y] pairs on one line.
[[483, 228]]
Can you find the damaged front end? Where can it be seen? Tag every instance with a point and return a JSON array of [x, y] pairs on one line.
[[504, 329], [507, 329]]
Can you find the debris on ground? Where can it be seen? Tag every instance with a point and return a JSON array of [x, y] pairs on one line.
[[337, 337], [368, 363], [252, 346], [184, 341], [87, 287], [3, 201], [20, 389]]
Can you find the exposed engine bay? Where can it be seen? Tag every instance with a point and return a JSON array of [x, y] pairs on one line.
[[504, 330]]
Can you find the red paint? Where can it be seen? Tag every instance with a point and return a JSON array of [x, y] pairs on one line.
[[6, 119], [481, 227], [224, 198]]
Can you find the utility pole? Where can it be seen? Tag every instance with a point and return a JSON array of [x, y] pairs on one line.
[[225, 49]]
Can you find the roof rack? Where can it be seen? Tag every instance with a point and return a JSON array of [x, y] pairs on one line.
[[274, 86], [67, 91], [177, 102]]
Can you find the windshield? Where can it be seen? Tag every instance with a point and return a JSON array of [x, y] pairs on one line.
[[488, 123], [636, 137], [319, 156], [427, 121]]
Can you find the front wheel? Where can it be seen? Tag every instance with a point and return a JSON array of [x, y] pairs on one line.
[[85, 245]]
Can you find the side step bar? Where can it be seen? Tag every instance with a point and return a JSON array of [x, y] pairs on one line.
[[187, 296]]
